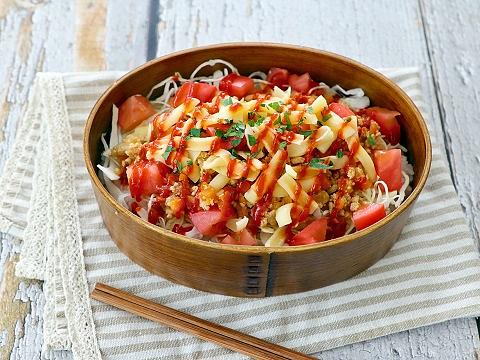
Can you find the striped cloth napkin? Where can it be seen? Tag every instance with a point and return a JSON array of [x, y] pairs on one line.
[[430, 275]]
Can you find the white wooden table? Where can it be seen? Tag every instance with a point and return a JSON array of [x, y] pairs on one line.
[[438, 36]]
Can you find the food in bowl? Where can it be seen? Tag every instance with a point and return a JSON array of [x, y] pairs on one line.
[[266, 159]]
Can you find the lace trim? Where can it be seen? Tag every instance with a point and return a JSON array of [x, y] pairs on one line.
[[32, 257], [78, 311]]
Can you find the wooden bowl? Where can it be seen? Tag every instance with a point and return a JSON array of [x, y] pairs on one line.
[[252, 271]]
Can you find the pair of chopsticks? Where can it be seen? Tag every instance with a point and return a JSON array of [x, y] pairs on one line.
[[220, 335]]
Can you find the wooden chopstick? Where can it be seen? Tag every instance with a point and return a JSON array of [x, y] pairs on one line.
[[221, 335]]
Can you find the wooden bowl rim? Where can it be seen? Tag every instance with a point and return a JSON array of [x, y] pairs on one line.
[[254, 250]]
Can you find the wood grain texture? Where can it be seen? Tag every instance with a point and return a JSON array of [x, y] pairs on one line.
[[32, 38], [40, 36], [89, 44], [455, 50]]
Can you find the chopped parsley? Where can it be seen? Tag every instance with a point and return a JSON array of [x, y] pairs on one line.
[[326, 117], [283, 145], [310, 109], [286, 116], [220, 134], [339, 153], [234, 153], [227, 101], [317, 163], [306, 133], [167, 152], [236, 130], [274, 105], [251, 140], [236, 141], [195, 132], [179, 166], [371, 140], [257, 122], [189, 163]]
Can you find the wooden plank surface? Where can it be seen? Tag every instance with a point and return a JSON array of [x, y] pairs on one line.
[[451, 30], [112, 34], [52, 36]]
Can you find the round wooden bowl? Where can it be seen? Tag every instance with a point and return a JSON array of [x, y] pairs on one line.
[[255, 271]]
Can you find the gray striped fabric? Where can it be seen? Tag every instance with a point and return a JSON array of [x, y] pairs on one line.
[[430, 275]]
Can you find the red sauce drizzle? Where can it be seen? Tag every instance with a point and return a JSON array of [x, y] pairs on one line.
[[260, 208], [299, 213], [248, 166], [156, 210], [321, 183], [231, 167], [355, 146], [181, 229]]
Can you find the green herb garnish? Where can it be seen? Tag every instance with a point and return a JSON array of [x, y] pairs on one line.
[[189, 163], [235, 142], [236, 130], [286, 116], [339, 153], [306, 133], [257, 122], [326, 117], [283, 145], [167, 152], [275, 105], [251, 140], [194, 133], [310, 109], [371, 140], [179, 166], [235, 153], [318, 163], [227, 101], [220, 134]]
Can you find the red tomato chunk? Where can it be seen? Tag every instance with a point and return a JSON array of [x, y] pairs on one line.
[[388, 164], [133, 111], [242, 238], [278, 77], [208, 222], [201, 91], [146, 178], [313, 233], [236, 85], [301, 83], [340, 109], [389, 125], [368, 215]]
